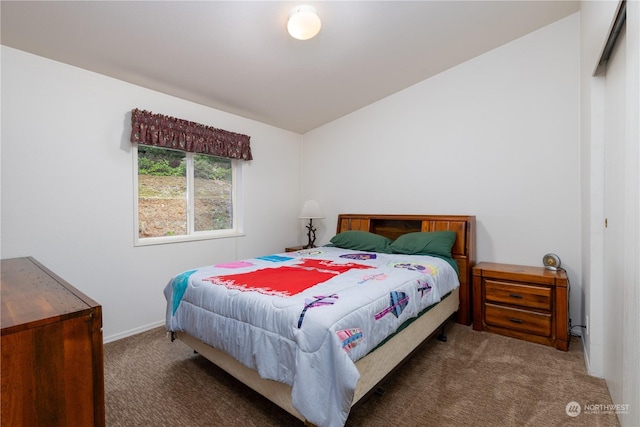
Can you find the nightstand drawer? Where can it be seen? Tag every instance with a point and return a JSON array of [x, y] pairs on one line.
[[518, 294], [520, 320]]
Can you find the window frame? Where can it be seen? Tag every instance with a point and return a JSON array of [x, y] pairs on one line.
[[192, 235]]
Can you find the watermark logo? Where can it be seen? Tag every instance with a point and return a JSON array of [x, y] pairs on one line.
[[573, 409], [608, 408]]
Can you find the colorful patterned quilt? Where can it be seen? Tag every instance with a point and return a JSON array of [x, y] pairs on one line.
[[303, 318]]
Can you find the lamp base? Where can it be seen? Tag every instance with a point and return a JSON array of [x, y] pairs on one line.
[[311, 235]]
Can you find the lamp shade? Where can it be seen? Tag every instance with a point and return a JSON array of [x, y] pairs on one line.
[[311, 210], [303, 23]]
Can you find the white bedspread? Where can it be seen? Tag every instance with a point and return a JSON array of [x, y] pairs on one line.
[[311, 339]]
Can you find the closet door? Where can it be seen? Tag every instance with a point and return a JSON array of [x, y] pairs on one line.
[[614, 203]]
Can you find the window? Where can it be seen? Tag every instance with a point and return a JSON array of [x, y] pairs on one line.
[[187, 178], [184, 196]]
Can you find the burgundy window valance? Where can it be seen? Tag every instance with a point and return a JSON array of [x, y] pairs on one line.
[[169, 132]]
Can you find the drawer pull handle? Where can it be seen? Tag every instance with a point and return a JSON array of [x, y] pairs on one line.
[[514, 320], [515, 296]]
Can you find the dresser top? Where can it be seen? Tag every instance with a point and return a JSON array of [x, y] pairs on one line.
[[32, 296]]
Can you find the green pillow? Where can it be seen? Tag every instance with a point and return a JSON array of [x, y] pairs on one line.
[[361, 241], [437, 243]]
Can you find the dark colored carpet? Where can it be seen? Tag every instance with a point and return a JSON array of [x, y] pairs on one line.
[[474, 379]]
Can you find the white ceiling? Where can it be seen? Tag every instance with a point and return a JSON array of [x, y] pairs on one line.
[[236, 56]]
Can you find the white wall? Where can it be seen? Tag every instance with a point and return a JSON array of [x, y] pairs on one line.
[[67, 187], [496, 137]]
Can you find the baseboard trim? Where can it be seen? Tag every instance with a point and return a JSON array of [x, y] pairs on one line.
[[132, 332], [585, 353]]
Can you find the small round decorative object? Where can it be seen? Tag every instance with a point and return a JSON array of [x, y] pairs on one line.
[[551, 262]]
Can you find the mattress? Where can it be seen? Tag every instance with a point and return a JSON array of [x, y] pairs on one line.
[[304, 318]]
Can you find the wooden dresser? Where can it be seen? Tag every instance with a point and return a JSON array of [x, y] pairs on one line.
[[529, 303], [52, 350]]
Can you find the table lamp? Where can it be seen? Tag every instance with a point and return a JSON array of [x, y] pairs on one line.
[[311, 210]]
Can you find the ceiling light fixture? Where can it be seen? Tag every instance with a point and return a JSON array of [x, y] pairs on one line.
[[304, 23]]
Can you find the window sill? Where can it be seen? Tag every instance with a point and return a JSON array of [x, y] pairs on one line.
[[164, 240]]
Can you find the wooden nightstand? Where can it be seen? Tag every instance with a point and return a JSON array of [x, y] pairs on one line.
[[294, 248], [529, 303]]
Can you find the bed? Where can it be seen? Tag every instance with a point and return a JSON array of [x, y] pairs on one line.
[[282, 351]]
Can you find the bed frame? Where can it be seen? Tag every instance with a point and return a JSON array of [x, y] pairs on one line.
[[463, 251], [381, 363]]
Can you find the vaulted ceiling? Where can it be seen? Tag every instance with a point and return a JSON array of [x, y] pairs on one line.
[[236, 56]]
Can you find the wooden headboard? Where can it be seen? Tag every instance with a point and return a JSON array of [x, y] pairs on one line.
[[463, 251]]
